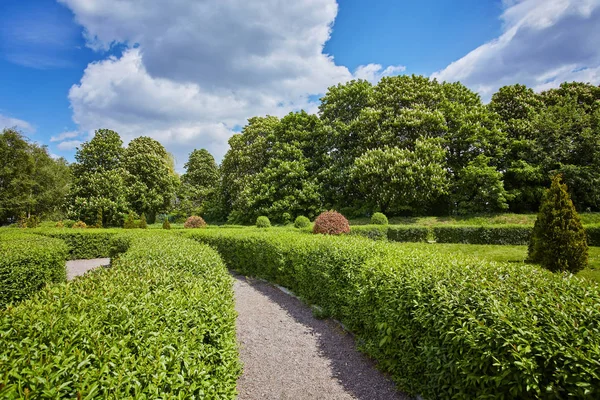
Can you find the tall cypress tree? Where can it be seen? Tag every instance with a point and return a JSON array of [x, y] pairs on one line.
[[558, 242]]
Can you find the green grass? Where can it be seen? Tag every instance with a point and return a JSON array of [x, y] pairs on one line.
[[504, 253], [493, 219]]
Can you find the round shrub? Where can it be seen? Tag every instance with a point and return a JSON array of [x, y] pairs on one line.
[[379, 219], [194, 222], [301, 222], [59, 224], [331, 223], [263, 222], [79, 224]]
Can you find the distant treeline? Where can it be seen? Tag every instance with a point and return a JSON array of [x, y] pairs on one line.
[[406, 146]]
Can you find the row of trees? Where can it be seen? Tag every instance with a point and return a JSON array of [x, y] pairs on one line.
[[408, 145]]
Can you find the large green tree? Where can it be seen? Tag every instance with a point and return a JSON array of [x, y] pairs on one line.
[[395, 180], [99, 180], [199, 193], [151, 179]]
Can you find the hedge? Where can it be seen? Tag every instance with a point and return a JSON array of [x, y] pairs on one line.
[[442, 326], [593, 234], [408, 234], [507, 234], [27, 263], [84, 244], [375, 232], [159, 324]]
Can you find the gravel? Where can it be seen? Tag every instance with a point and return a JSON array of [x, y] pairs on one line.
[[289, 354], [80, 267]]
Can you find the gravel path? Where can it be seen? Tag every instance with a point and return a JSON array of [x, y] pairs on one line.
[[288, 354], [80, 267]]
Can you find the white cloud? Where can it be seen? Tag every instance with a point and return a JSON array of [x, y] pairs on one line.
[[193, 71], [64, 135], [68, 145], [374, 72], [544, 43], [9, 122]]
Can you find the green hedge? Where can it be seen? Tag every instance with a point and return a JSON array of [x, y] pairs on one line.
[[27, 264], [507, 234], [442, 327], [375, 232], [408, 234], [84, 244], [159, 324]]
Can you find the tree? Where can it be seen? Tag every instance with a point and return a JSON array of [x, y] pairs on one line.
[[99, 180], [394, 179], [151, 178], [558, 242], [200, 185], [479, 188]]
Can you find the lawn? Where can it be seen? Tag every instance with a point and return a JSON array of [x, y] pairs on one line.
[[512, 254]]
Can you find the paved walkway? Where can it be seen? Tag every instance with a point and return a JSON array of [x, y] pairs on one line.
[[80, 267], [289, 354]]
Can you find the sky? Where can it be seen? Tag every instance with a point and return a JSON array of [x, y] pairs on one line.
[[189, 73]]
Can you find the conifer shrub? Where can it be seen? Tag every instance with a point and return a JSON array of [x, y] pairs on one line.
[[331, 223], [263, 222], [166, 224], [301, 222], [143, 223], [129, 221], [194, 222], [379, 219], [98, 223], [558, 241], [79, 225]]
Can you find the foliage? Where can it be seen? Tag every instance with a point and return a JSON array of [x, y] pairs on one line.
[[301, 222], [27, 264], [79, 225], [379, 219], [143, 223], [395, 179], [194, 222], [162, 318], [166, 224], [199, 192], [408, 234], [479, 188], [98, 223], [83, 245], [374, 232], [505, 234], [31, 181], [331, 223], [263, 222], [443, 326], [129, 221], [59, 224], [558, 242]]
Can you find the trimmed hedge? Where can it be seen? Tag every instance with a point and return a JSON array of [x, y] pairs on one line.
[[159, 324], [408, 234], [84, 244], [443, 327], [593, 234], [507, 234], [27, 264], [375, 232]]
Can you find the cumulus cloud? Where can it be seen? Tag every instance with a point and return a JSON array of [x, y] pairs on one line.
[[193, 71], [9, 122], [68, 145], [544, 43], [64, 136], [374, 72]]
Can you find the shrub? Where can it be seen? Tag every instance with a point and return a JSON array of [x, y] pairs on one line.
[[166, 224], [263, 222], [79, 225], [129, 221], [593, 235], [379, 219], [442, 326], [286, 218], [98, 223], [375, 232], [143, 223], [301, 222], [27, 264], [408, 234], [84, 245], [194, 222], [558, 242], [59, 224], [331, 223], [506, 234], [159, 324]]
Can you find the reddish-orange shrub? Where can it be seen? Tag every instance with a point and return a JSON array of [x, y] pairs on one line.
[[331, 223], [194, 222]]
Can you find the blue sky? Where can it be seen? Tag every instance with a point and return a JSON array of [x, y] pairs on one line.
[[190, 73]]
